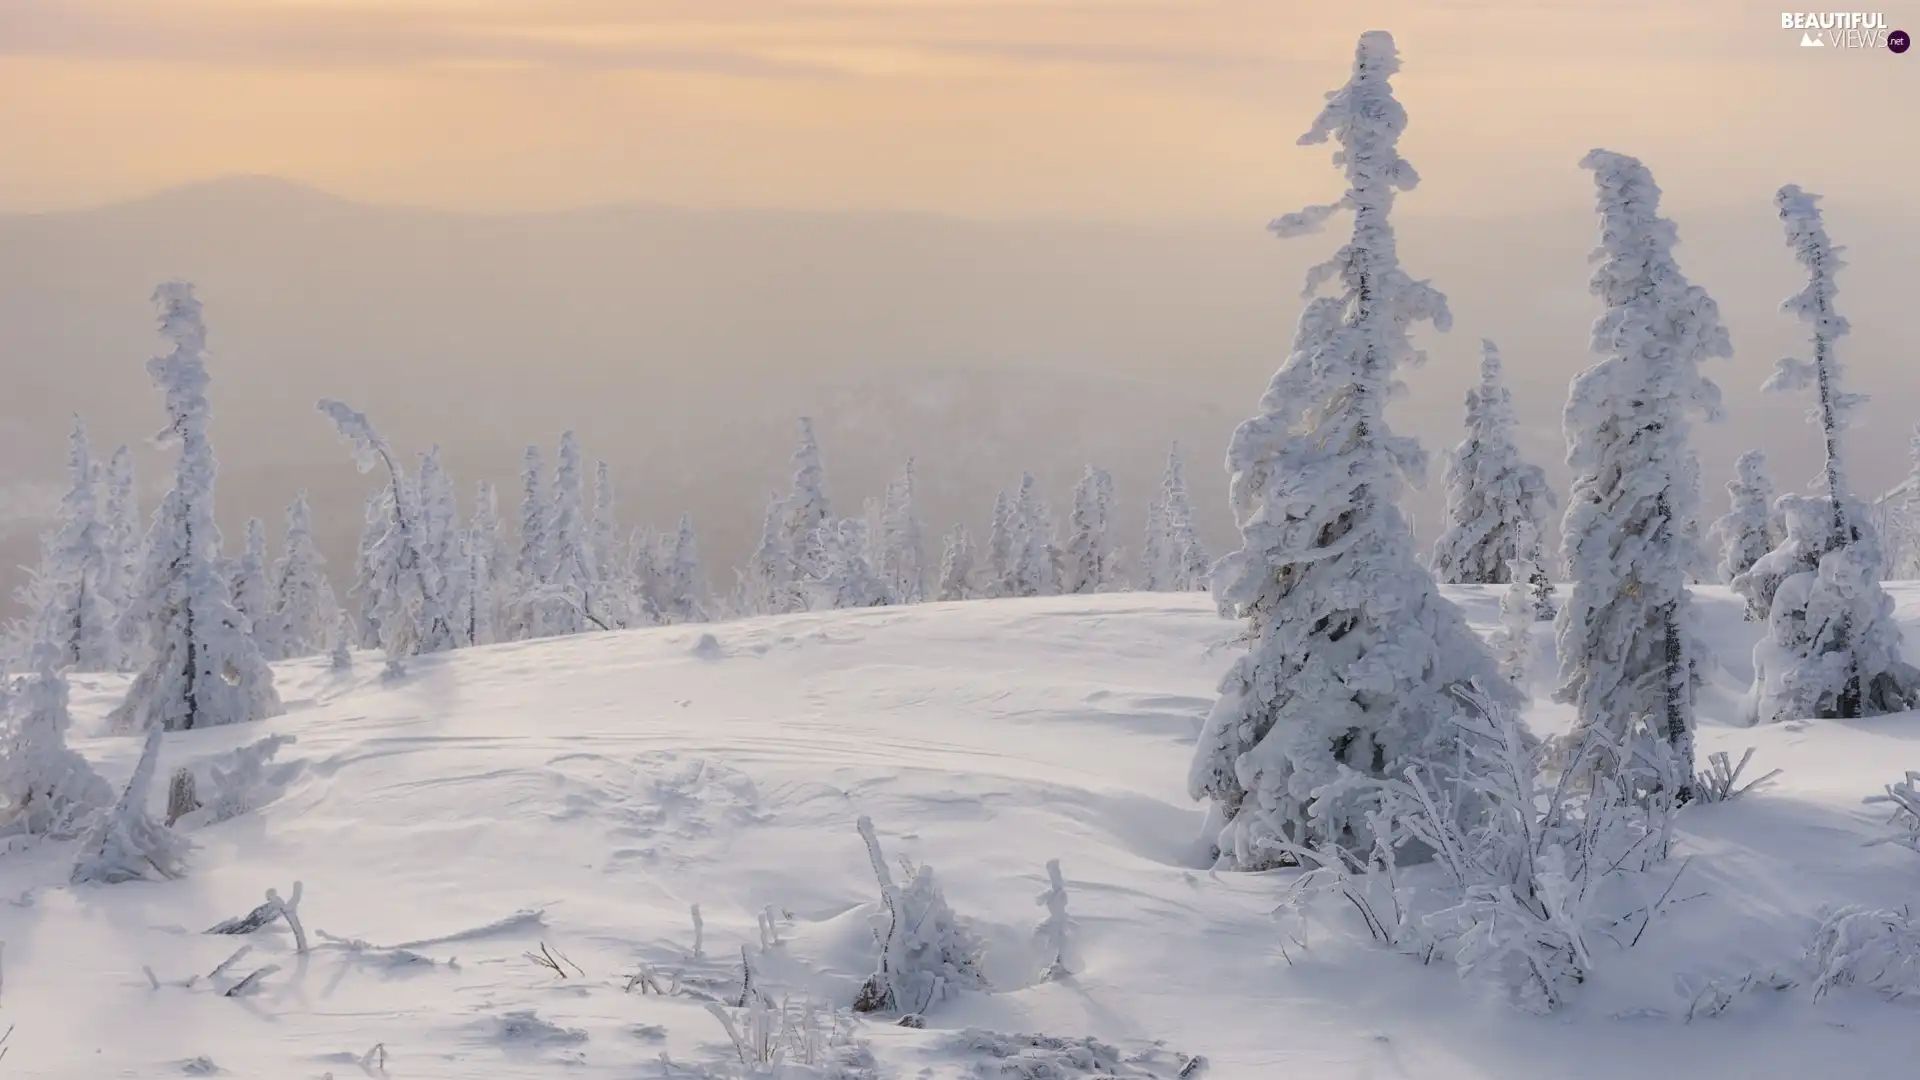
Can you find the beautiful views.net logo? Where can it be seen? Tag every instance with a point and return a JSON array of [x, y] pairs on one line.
[[1845, 30]]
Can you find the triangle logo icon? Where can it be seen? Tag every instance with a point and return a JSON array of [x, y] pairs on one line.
[[1808, 41]]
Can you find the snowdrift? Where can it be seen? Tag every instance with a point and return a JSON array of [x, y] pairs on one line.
[[584, 793]]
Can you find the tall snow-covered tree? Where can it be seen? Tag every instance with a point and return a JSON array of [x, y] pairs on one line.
[[305, 611], [956, 566], [604, 532], [203, 668], [575, 603], [252, 596], [46, 789], [997, 575], [533, 560], [1088, 562], [71, 593], [1494, 496], [366, 571], [409, 615], [1033, 572], [1626, 636], [681, 595], [124, 547], [1897, 517], [441, 538], [1154, 569], [1187, 563], [807, 511], [1355, 660], [486, 557], [1833, 649], [840, 575], [1748, 529], [903, 547], [766, 581]]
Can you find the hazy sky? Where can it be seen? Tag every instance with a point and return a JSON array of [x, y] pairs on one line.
[[1137, 110]]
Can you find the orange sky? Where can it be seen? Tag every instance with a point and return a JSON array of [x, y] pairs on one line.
[[1142, 110]]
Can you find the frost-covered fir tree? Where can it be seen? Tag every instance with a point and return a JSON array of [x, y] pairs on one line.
[[304, 608], [252, 597], [903, 546], [441, 539], [46, 789], [71, 593], [1033, 571], [203, 669], [1187, 563], [1626, 636], [533, 559], [840, 575], [604, 533], [1896, 515], [486, 555], [1493, 495], [409, 613], [997, 575], [807, 511], [1832, 649], [681, 592], [1154, 571], [1747, 530], [1355, 660], [956, 566], [574, 603], [1088, 562], [767, 580], [366, 581], [124, 548]]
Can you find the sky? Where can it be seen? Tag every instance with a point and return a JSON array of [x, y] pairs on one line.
[[1117, 110]]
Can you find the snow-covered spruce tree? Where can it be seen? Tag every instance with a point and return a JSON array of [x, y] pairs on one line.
[[603, 528], [441, 538], [997, 575], [1032, 572], [1154, 572], [202, 668], [252, 598], [1832, 649], [47, 789], [903, 546], [486, 555], [1746, 531], [1088, 563], [1493, 495], [533, 561], [644, 584], [70, 594], [840, 575], [767, 578], [928, 954], [409, 614], [1626, 635], [807, 512], [574, 604], [124, 547], [365, 590], [126, 842], [1354, 658], [1188, 565], [304, 609], [956, 566], [681, 593]]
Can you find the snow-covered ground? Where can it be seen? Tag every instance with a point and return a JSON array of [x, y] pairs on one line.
[[609, 781]]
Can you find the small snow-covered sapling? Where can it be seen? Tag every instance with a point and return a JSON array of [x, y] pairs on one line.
[[1055, 929]]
